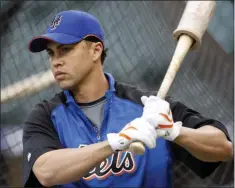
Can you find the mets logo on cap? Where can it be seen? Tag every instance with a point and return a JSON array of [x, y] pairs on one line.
[[56, 22]]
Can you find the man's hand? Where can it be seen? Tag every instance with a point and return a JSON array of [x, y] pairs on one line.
[[158, 113], [137, 130]]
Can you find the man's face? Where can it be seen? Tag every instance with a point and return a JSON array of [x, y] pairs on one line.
[[71, 64]]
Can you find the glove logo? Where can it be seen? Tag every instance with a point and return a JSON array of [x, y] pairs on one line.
[[167, 133]]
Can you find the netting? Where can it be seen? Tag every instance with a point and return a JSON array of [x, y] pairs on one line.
[[139, 37]]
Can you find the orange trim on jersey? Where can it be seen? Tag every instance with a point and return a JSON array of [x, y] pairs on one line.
[[119, 173], [105, 176], [98, 177], [90, 177]]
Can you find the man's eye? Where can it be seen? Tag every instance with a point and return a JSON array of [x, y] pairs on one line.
[[50, 53], [65, 49]]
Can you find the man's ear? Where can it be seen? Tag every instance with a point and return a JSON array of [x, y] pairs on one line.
[[97, 49]]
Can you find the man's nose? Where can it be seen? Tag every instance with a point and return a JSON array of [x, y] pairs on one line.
[[56, 62]]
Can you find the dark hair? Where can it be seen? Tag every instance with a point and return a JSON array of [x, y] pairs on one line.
[[95, 39]]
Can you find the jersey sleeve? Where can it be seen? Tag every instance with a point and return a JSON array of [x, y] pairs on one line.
[[193, 119], [39, 137]]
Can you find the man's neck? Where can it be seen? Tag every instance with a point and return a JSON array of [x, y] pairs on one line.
[[92, 89]]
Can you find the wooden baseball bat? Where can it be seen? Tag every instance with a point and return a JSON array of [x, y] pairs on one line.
[[192, 26]]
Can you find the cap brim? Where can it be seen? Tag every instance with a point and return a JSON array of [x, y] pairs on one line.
[[39, 43]]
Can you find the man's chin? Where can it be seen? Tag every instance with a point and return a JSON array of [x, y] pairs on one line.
[[65, 86]]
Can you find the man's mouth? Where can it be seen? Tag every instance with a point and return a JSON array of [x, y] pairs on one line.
[[59, 75]]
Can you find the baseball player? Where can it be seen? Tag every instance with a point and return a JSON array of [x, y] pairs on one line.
[[80, 138]]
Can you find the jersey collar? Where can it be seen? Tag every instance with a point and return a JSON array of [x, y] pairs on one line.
[[69, 97]]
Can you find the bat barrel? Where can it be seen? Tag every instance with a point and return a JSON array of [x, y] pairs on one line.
[[195, 20]]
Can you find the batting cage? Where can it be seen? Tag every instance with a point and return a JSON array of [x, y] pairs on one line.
[[138, 35]]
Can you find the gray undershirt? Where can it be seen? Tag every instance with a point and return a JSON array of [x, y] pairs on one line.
[[94, 112]]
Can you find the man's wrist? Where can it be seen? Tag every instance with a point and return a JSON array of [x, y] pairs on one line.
[[181, 137]]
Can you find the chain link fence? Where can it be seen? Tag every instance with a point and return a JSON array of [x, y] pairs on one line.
[[139, 37]]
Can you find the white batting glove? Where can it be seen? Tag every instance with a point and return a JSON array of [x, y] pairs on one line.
[[137, 130], [158, 113]]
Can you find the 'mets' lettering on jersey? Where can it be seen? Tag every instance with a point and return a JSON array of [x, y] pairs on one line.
[[118, 164]]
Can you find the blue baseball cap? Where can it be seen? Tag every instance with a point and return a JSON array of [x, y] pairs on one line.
[[68, 27]]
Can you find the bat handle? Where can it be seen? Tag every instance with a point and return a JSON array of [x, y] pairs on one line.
[[137, 148], [184, 44]]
